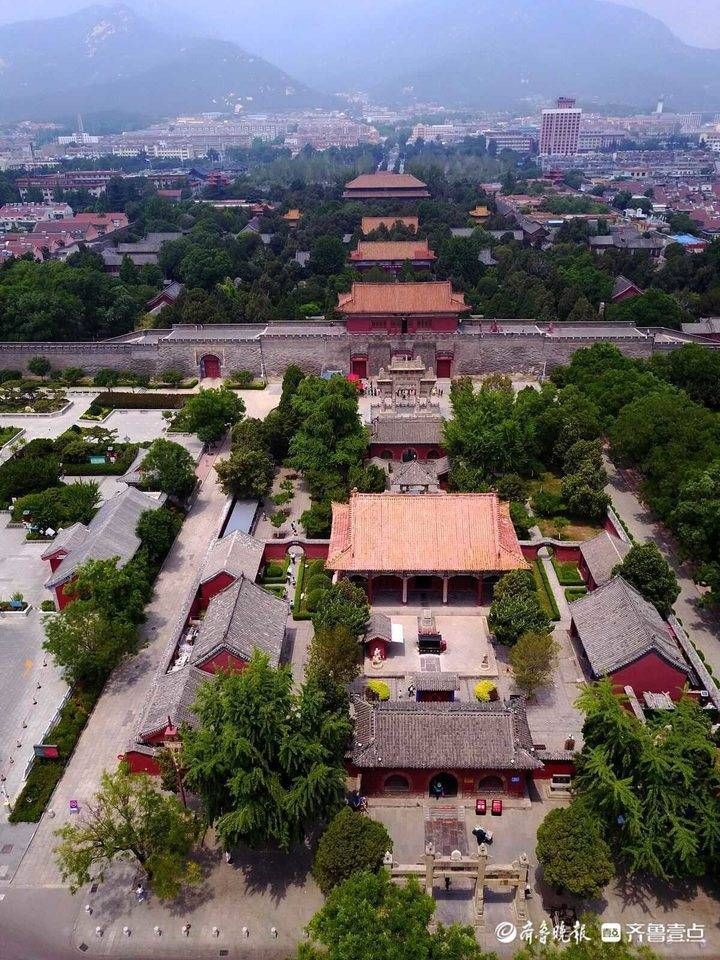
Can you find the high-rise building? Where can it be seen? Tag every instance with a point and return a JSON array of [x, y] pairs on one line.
[[560, 129]]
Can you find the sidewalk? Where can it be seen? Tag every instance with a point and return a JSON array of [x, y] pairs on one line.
[[698, 623], [113, 721]]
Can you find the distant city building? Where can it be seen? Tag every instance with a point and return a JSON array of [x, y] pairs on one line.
[[14, 216], [560, 129], [517, 140]]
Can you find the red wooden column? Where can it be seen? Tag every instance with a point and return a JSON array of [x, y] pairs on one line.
[[480, 590], [369, 589]]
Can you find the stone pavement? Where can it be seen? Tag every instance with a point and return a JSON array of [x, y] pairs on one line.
[[113, 721], [701, 626]]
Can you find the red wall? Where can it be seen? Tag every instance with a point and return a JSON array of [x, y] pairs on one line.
[[567, 554], [398, 449], [394, 325], [210, 589], [551, 767], [142, 763], [61, 597], [277, 549], [372, 781], [651, 674], [223, 661]]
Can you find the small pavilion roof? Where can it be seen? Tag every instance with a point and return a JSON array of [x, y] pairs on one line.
[[382, 250]]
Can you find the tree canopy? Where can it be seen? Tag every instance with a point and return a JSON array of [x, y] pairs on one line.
[[572, 852], [130, 819], [209, 413], [266, 760], [351, 842], [648, 571], [168, 467]]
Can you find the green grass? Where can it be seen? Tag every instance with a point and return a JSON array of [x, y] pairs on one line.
[[574, 593], [544, 590], [7, 433], [567, 573], [299, 611]]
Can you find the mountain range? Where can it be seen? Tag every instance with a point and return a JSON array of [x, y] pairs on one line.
[[157, 58], [109, 58]]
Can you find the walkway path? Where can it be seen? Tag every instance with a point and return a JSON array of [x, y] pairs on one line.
[[701, 627], [113, 722]]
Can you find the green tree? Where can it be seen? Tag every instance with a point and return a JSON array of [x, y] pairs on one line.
[[532, 660], [572, 852], [583, 492], [648, 571], [351, 842], [40, 366], [169, 468], [157, 530], [328, 256], [266, 760], [59, 506], [336, 653], [209, 413], [343, 604], [129, 819], [86, 643], [368, 917], [515, 608], [653, 787], [246, 473], [117, 592]]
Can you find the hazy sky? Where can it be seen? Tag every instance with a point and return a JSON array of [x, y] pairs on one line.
[[695, 21]]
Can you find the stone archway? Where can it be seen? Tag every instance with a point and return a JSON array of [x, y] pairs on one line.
[[210, 366], [408, 455], [491, 784], [443, 785]]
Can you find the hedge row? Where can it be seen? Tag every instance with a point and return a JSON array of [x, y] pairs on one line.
[[544, 590], [117, 400]]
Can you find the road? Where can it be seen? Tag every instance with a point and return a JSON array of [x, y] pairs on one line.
[[699, 624]]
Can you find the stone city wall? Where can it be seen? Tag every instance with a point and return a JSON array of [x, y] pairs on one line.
[[271, 353]]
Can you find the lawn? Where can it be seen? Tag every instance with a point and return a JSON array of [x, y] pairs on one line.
[[568, 574], [7, 433], [568, 531]]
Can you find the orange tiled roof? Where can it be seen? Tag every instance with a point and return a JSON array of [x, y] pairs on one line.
[[435, 297], [375, 181], [392, 250], [368, 224], [293, 214], [453, 532], [480, 211]]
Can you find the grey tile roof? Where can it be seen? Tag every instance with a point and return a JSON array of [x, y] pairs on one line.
[[621, 285], [379, 627], [110, 533], [398, 733], [406, 430], [415, 473], [617, 626], [434, 682], [171, 699], [241, 619], [601, 554], [658, 701], [238, 554], [68, 538]]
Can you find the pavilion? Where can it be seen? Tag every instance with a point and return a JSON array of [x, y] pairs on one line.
[[435, 546], [392, 255], [399, 308]]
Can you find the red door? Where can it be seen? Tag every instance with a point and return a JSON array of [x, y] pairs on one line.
[[444, 367], [210, 366], [359, 367]]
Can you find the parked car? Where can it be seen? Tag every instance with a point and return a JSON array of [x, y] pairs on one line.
[[480, 806], [496, 808]]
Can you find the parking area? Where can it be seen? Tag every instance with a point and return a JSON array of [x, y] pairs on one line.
[[468, 651], [31, 688]]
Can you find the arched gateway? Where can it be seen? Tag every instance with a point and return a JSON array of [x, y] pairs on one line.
[[210, 366]]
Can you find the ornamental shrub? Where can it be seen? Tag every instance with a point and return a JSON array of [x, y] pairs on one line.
[[351, 842], [379, 688], [483, 690]]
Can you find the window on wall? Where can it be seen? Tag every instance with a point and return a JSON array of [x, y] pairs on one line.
[[397, 783]]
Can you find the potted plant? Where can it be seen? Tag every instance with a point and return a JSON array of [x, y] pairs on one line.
[[16, 601]]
